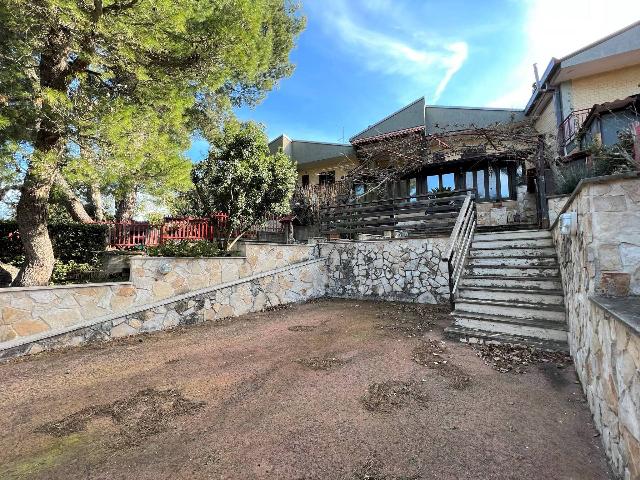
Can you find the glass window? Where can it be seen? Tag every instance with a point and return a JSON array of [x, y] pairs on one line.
[[448, 181], [480, 176], [359, 190], [413, 189], [327, 178], [433, 182], [468, 180], [504, 183], [493, 185]]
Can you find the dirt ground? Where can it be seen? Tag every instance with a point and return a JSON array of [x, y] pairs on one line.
[[332, 389]]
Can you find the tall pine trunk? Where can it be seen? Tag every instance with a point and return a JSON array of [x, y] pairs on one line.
[[32, 209], [31, 214], [126, 206], [96, 201]]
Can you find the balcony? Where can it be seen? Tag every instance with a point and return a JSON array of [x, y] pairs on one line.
[[568, 130]]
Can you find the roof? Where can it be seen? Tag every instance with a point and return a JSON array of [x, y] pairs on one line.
[[632, 101], [440, 119], [307, 151], [407, 117], [617, 50]]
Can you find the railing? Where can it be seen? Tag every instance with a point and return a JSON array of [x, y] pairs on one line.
[[124, 235], [459, 244], [570, 126], [416, 214]]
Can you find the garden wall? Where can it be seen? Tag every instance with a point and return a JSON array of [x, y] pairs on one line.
[[555, 204], [292, 283], [26, 311], [189, 274], [408, 270], [600, 268]]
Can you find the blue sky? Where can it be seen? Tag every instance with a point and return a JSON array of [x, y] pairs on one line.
[[360, 60]]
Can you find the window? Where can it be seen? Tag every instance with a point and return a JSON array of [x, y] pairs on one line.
[[448, 181], [504, 183], [327, 178], [493, 185], [359, 190], [413, 188], [433, 183], [305, 180], [480, 183]]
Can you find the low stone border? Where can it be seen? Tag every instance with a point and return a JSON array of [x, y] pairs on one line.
[[138, 319]]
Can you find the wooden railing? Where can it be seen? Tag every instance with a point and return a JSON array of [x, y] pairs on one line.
[[416, 214], [459, 243], [123, 235]]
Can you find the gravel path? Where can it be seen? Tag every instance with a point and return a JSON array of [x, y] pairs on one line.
[[332, 389]]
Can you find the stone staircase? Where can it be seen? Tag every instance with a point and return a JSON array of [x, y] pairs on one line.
[[510, 292]]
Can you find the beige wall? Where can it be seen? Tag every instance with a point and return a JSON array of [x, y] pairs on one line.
[[341, 166], [546, 123], [605, 87]]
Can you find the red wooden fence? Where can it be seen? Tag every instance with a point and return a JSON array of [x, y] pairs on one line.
[[133, 234]]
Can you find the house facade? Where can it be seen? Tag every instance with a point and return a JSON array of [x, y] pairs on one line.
[[503, 155]]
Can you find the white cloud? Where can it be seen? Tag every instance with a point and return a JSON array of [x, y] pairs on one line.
[[427, 63], [555, 28]]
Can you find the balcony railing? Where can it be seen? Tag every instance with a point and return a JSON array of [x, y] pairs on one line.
[[569, 128]]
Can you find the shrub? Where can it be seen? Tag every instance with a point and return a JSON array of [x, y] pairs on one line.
[[184, 248], [78, 242]]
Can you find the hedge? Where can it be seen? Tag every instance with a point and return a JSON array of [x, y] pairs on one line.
[[78, 242]]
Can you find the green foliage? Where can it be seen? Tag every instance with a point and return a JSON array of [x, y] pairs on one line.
[[184, 248], [617, 158], [71, 272], [121, 86], [76, 242], [242, 179]]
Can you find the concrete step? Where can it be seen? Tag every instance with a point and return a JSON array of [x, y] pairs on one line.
[[520, 310], [513, 252], [534, 328], [474, 336], [523, 261], [511, 243], [541, 283], [512, 271], [517, 234], [545, 297]]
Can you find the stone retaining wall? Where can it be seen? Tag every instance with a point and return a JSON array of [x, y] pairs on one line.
[[26, 311], [396, 269], [603, 258], [293, 283]]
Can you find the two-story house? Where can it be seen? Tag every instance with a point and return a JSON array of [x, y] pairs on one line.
[[589, 95]]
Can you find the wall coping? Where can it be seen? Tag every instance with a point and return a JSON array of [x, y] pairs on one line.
[[562, 195], [148, 306], [253, 242], [377, 240], [62, 287], [589, 181], [624, 309], [149, 257]]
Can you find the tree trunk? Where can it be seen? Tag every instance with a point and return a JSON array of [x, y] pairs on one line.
[[32, 224], [72, 202], [126, 206], [32, 209], [96, 201]]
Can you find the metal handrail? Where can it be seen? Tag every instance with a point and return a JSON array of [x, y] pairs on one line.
[[459, 244]]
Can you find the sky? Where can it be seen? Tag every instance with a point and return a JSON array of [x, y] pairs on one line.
[[360, 60]]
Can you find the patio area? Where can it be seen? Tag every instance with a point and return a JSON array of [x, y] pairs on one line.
[[330, 389]]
